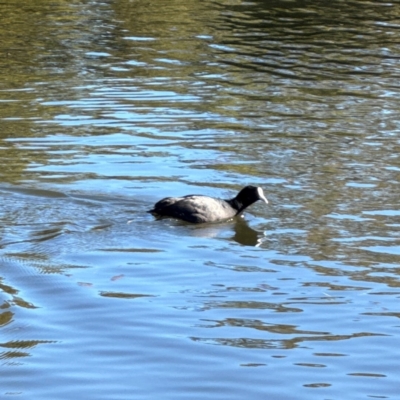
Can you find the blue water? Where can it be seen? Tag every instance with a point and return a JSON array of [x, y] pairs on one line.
[[108, 107]]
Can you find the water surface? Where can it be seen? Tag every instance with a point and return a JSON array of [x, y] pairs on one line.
[[106, 107]]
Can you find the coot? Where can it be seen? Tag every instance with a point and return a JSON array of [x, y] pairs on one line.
[[198, 208]]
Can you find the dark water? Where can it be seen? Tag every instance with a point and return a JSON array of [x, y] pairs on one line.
[[108, 106]]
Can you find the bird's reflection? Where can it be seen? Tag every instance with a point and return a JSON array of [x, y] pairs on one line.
[[242, 233]]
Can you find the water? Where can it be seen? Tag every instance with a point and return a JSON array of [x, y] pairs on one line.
[[106, 107]]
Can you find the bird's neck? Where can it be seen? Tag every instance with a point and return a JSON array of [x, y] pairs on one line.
[[236, 204]]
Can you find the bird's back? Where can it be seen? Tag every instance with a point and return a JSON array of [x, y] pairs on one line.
[[194, 208]]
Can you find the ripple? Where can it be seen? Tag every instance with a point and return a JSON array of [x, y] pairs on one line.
[[106, 109]]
